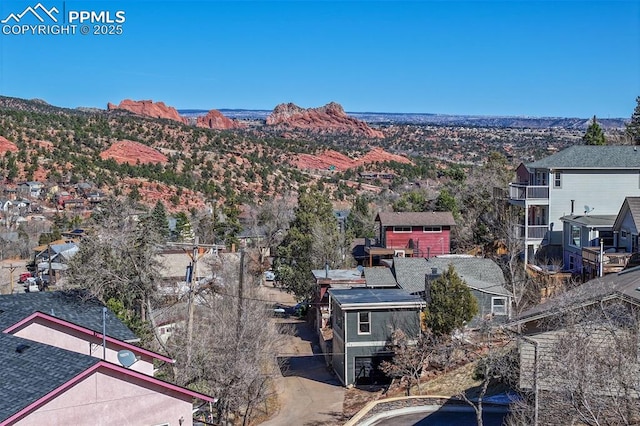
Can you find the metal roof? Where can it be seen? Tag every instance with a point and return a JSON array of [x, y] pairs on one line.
[[373, 296]]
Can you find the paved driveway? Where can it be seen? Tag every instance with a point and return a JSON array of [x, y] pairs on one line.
[[309, 393]]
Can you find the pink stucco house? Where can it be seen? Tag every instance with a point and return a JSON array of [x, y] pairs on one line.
[[57, 371]]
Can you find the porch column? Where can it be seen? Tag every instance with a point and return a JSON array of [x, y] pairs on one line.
[[526, 235]]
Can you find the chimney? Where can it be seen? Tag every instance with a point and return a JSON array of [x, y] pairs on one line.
[[572, 204], [427, 289], [326, 269]]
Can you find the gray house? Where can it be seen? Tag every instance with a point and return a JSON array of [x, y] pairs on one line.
[[363, 321], [483, 277], [627, 225], [581, 238], [485, 280]]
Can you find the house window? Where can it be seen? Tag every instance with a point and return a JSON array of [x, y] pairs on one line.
[[575, 236], [624, 234], [557, 180], [433, 229], [499, 305], [572, 263], [401, 229], [364, 322]]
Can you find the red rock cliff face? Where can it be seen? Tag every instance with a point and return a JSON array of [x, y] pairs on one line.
[[149, 109], [133, 153], [216, 120], [329, 118]]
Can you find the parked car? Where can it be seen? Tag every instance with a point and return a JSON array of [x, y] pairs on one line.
[[24, 276]]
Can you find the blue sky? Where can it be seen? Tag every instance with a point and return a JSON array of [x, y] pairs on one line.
[[534, 58]]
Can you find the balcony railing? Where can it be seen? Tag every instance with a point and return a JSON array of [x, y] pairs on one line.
[[591, 255], [520, 191], [534, 232]]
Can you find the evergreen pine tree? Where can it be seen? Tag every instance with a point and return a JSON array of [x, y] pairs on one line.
[[452, 304], [633, 128], [159, 219], [594, 134], [295, 255]]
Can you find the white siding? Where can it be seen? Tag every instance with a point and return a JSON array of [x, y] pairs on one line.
[[602, 190]]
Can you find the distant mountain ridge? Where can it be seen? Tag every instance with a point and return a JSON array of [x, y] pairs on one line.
[[438, 119]]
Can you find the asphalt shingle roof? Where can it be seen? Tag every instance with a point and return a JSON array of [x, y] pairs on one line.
[[72, 306], [479, 273], [38, 369], [416, 219], [624, 284], [379, 277], [603, 220], [591, 157], [410, 273]]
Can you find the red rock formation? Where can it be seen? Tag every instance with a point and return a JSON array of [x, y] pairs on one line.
[[329, 118], [341, 162], [379, 155], [132, 153], [216, 120], [7, 145], [149, 109]]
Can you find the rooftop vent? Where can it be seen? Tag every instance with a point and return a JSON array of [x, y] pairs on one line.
[[22, 347]]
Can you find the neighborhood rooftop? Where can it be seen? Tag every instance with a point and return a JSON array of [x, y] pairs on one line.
[[416, 218], [625, 284], [73, 306], [358, 297], [380, 276], [479, 273], [31, 370], [591, 157]]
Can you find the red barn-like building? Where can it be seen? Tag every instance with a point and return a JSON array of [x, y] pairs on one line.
[[420, 234]]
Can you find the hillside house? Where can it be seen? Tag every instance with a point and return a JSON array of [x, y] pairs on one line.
[[579, 179], [65, 371], [363, 321], [411, 234], [599, 313], [627, 226], [30, 189], [483, 277]]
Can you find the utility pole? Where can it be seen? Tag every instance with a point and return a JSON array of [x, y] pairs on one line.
[[193, 251], [240, 295], [11, 269]]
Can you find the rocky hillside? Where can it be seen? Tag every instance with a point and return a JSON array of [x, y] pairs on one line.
[[330, 118]]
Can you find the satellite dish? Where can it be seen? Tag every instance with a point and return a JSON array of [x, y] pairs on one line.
[[126, 358], [588, 209]]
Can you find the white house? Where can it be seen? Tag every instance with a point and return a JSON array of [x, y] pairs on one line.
[[578, 180]]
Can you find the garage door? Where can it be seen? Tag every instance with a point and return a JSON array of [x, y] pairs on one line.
[[367, 370]]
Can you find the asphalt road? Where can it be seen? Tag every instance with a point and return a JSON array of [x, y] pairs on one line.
[[308, 392], [443, 418]]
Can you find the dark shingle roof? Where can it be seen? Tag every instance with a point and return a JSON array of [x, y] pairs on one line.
[[624, 284], [416, 219], [32, 373], [72, 306], [410, 273], [479, 273], [594, 220], [591, 157], [379, 277]]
